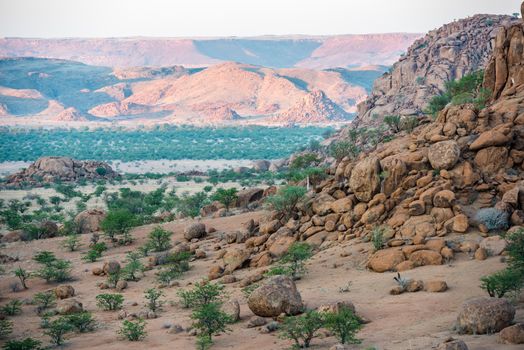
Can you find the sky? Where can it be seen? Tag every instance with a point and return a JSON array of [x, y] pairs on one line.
[[190, 18]]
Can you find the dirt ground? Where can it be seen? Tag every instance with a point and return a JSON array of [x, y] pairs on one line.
[[410, 321]]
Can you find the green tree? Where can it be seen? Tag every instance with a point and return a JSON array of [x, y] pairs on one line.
[[118, 222], [301, 329], [159, 239], [286, 200], [226, 197], [22, 275], [58, 329], [133, 330], [344, 324]]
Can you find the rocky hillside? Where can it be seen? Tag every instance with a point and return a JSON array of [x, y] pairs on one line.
[[425, 190], [278, 52], [444, 54]]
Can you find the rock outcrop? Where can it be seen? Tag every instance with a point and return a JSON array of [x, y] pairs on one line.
[[278, 295], [52, 169], [444, 54], [485, 315]]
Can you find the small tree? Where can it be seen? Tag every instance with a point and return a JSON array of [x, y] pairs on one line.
[[503, 282], [44, 300], [515, 249], [210, 320], [72, 242], [12, 308], [58, 329], [226, 197], [82, 321], [22, 275], [286, 200], [133, 267], [159, 239], [153, 299], [377, 237], [133, 330], [295, 257], [341, 149], [301, 329], [95, 252], [344, 324], [53, 269], [109, 302], [118, 222], [203, 293], [393, 122]]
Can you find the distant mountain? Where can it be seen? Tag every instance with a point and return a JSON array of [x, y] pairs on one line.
[[317, 52], [52, 90]]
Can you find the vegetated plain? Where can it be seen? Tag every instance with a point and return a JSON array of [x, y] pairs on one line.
[[161, 142]]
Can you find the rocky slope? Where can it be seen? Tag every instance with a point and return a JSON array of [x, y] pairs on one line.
[[301, 51], [442, 55]]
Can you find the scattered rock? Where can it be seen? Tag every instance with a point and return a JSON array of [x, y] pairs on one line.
[[485, 315], [64, 291], [194, 230], [278, 295], [512, 334]]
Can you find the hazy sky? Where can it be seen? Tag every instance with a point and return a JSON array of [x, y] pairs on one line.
[[105, 18]]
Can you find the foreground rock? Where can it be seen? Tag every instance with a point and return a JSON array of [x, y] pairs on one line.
[[512, 334], [278, 295], [195, 230], [485, 315]]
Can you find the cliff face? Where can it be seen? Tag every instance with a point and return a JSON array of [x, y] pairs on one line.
[[442, 55]]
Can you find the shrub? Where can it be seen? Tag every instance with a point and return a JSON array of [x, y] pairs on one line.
[[343, 324], [25, 344], [176, 265], [493, 219], [72, 242], [12, 308], [113, 278], [203, 293], [57, 330], [133, 330], [210, 320], [304, 161], [393, 122], [22, 275], [53, 269], [159, 239], [153, 299], [81, 321], [118, 222], [377, 237], [503, 282], [409, 123], [515, 249], [226, 197], [95, 252], [6, 328], [133, 267], [101, 171], [44, 300], [295, 257], [190, 205], [286, 200], [301, 329], [109, 302], [341, 149]]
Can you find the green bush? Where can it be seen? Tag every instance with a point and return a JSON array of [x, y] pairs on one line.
[[72, 242], [515, 249], [226, 197], [118, 222], [44, 300], [57, 330], [6, 328], [503, 282], [12, 308], [304, 161], [25, 344], [53, 269], [159, 239], [81, 321], [294, 258], [344, 324], [209, 320], [341, 149], [286, 200], [109, 302], [190, 205], [301, 329], [153, 299], [203, 293], [133, 267], [393, 122], [133, 330], [377, 237]]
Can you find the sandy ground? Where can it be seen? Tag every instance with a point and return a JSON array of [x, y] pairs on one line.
[[162, 166], [410, 321]]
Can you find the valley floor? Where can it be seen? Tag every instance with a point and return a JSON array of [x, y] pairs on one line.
[[410, 321]]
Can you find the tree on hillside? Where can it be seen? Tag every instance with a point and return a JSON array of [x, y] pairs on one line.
[[226, 197]]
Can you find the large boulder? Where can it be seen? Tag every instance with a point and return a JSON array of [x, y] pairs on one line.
[[89, 220], [195, 230], [444, 154], [485, 315], [64, 291], [278, 295], [512, 334], [365, 179], [69, 306], [111, 267], [249, 195], [234, 258], [386, 259]]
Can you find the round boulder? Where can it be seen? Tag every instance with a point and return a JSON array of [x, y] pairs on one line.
[[485, 315], [111, 267], [64, 291], [278, 295], [195, 230], [444, 154], [89, 220], [365, 179], [512, 334], [386, 259], [69, 306]]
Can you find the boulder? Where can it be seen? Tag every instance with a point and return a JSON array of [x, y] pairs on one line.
[[248, 196], [89, 220], [232, 309], [512, 334], [485, 315], [435, 286], [194, 230], [365, 179], [69, 306], [494, 245], [491, 160], [277, 296], [386, 259], [444, 199], [12, 236], [444, 154], [269, 227], [499, 136], [111, 267], [460, 223], [452, 344], [64, 291], [426, 257], [235, 258], [281, 245]]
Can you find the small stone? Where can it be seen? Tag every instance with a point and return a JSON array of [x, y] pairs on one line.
[[481, 254], [256, 321], [435, 286]]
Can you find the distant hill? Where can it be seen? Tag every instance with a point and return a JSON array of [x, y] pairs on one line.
[[318, 52], [54, 90]]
